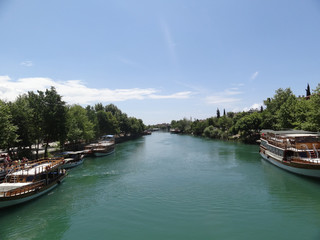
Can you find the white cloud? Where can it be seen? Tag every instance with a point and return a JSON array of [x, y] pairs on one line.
[[255, 106], [225, 98], [255, 75], [179, 95], [27, 63], [76, 92]]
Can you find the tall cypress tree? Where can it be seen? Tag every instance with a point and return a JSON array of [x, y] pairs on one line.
[[308, 93]]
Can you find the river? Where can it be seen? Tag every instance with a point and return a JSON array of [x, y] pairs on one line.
[[167, 186]]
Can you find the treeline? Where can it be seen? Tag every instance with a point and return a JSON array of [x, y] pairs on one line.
[[283, 111], [42, 117]]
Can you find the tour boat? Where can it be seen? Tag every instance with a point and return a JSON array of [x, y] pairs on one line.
[[294, 150], [3, 173], [175, 130], [104, 147], [30, 180], [3, 166], [72, 159]]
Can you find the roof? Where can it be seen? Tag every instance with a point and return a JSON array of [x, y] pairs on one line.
[[291, 133]]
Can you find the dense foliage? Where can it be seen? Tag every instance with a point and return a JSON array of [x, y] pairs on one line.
[[42, 117], [283, 111]]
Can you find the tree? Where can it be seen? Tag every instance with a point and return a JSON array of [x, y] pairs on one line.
[[286, 114], [313, 115], [308, 93], [124, 123], [22, 118], [198, 127], [261, 109], [8, 136], [218, 113], [78, 125], [249, 127], [54, 117], [136, 126], [273, 110], [107, 123], [36, 105], [211, 132], [273, 105]]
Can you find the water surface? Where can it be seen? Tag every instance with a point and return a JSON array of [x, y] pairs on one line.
[[168, 186]]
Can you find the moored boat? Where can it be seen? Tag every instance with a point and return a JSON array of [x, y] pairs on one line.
[[31, 180], [294, 150], [104, 147], [175, 130], [72, 159]]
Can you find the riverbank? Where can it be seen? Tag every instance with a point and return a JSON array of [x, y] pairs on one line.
[[118, 139]]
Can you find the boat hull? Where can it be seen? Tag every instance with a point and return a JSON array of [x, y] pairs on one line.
[[18, 199], [309, 172], [72, 164], [101, 154]]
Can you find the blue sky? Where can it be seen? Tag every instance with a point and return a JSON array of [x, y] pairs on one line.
[[160, 60]]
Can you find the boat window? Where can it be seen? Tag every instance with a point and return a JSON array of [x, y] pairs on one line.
[[303, 154], [29, 178]]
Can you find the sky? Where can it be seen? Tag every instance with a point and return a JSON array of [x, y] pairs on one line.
[[160, 60]]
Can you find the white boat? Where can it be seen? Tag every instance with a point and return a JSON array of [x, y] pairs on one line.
[[72, 159], [104, 147], [31, 180], [294, 151]]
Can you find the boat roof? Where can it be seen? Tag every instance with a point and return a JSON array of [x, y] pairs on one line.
[[17, 184], [72, 152], [108, 136], [41, 168], [292, 133]]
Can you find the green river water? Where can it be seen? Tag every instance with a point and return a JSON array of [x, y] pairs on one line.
[[167, 186]]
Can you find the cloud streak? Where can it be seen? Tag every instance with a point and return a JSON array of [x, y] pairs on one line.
[[169, 41], [76, 92], [224, 98], [27, 63], [255, 75]]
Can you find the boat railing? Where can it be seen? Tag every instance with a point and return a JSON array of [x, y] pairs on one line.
[[24, 189], [315, 150], [305, 160], [36, 166]]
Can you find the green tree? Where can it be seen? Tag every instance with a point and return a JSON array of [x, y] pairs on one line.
[[136, 126], [79, 127], [198, 127], [107, 123], [308, 92], [313, 114], [54, 117], [22, 118], [211, 132], [249, 127], [274, 104], [8, 136], [36, 105], [286, 118]]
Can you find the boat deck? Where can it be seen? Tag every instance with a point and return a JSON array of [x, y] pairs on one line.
[[5, 187], [34, 170]]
